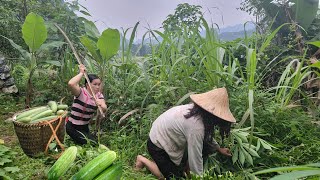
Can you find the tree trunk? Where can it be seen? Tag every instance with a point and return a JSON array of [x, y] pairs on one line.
[[29, 93], [25, 9]]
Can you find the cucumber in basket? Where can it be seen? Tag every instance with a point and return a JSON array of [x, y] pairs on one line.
[[62, 106], [30, 112], [45, 113], [44, 119], [53, 106]]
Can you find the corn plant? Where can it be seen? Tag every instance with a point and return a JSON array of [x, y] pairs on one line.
[[253, 51], [290, 81]]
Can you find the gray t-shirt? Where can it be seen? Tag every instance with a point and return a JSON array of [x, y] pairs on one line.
[[172, 132]]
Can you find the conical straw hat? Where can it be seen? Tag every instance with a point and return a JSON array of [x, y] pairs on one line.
[[215, 102]]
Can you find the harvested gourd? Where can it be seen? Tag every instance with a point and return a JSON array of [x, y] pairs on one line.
[[30, 112], [113, 172], [61, 166], [95, 166], [62, 107], [53, 106], [43, 113]]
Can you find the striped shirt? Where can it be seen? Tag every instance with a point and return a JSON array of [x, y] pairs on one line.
[[83, 107]]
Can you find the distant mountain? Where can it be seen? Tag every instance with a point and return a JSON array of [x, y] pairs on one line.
[[229, 36], [237, 28], [228, 33]]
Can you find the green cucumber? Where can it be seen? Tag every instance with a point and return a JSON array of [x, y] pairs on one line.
[[30, 112], [25, 119], [42, 114], [47, 118], [114, 172], [95, 166], [60, 112], [64, 162], [62, 107], [53, 106]]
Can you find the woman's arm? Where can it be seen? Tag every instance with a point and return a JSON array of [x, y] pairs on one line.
[[73, 83]]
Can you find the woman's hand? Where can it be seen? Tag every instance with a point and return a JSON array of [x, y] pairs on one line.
[[82, 68], [225, 151], [102, 104]]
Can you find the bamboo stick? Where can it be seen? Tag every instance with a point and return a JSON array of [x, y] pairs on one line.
[[79, 61]]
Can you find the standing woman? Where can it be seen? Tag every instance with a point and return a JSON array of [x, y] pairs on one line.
[[84, 106], [181, 138]]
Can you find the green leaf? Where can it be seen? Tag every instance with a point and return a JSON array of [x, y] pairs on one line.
[[248, 157], [235, 155], [4, 160], [109, 43], [281, 169], [186, 96], [4, 148], [314, 165], [55, 63], [241, 156], [52, 146], [12, 169], [53, 44], [317, 65], [258, 145], [34, 31], [1, 141], [297, 175], [91, 29], [25, 54], [315, 43], [91, 47], [305, 11], [265, 145]]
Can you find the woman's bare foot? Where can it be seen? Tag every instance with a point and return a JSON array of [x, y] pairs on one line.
[[139, 163]]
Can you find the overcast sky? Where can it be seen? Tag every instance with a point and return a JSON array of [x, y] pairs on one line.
[[125, 13]]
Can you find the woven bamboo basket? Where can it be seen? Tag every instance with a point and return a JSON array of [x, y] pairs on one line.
[[34, 138]]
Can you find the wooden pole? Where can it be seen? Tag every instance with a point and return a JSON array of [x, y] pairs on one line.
[[79, 61]]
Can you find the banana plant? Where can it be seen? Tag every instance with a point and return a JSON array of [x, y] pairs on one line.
[[34, 33], [102, 48], [242, 151]]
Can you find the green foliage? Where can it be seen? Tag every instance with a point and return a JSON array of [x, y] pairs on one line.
[[302, 12], [305, 11], [108, 43], [101, 49], [185, 15], [295, 172], [6, 159], [34, 31]]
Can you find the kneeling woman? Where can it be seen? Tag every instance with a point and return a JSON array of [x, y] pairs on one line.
[[83, 107], [182, 137]]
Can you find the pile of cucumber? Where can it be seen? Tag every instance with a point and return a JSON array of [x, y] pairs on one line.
[[100, 168], [43, 113]]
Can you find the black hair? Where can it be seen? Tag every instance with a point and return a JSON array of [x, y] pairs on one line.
[[91, 77], [209, 122]]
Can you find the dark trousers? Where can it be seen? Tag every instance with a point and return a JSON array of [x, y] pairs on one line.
[[166, 166], [80, 133]]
